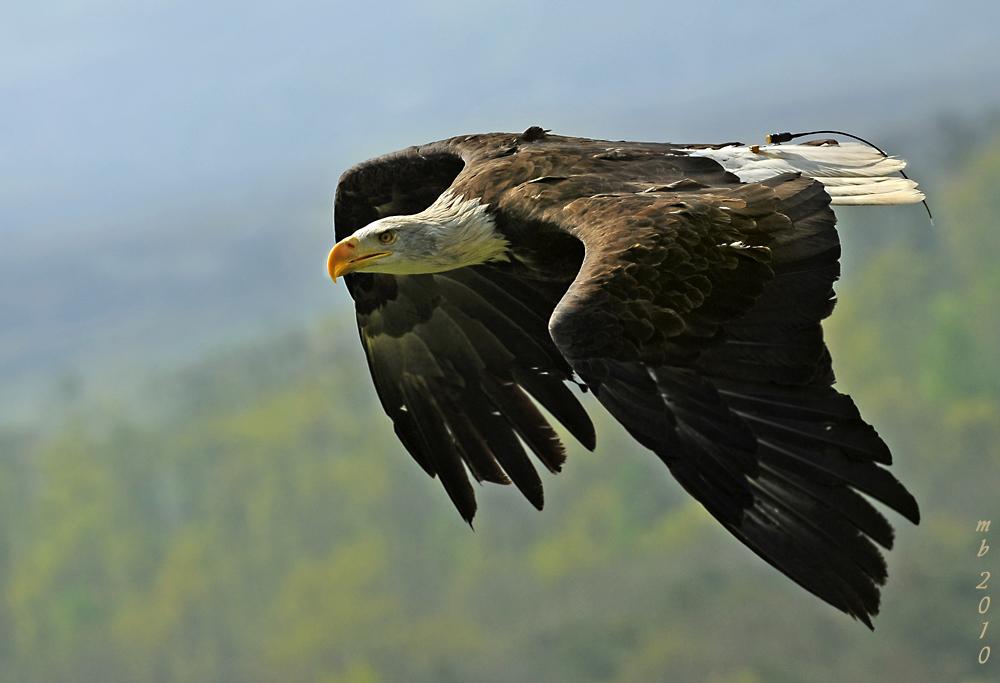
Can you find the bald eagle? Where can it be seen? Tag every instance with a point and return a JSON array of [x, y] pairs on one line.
[[683, 285]]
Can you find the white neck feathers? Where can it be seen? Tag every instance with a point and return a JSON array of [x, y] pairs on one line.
[[466, 233]]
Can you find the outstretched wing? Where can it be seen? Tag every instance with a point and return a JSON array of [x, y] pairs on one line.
[[695, 319], [455, 355]]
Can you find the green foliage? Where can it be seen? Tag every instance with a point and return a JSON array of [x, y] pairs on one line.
[[264, 525], [916, 335]]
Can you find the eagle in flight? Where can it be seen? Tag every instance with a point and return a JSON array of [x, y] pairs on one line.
[[684, 285]]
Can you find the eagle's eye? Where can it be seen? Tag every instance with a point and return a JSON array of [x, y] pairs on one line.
[[387, 237]]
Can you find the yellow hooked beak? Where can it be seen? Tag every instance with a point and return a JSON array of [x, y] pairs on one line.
[[345, 258]]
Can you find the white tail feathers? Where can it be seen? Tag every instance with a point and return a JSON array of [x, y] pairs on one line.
[[852, 173]]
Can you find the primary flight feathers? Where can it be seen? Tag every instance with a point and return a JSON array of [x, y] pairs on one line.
[[684, 285]]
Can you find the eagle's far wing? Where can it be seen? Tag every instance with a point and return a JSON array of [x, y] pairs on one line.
[[455, 356], [695, 319]]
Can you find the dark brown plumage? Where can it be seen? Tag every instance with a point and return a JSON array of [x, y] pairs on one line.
[[687, 301]]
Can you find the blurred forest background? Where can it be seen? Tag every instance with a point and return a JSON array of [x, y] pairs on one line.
[[196, 480]]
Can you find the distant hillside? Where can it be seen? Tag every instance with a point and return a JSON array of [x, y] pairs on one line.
[[160, 286], [84, 309]]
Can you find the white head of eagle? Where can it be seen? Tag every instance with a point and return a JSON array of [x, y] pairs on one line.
[[451, 233]]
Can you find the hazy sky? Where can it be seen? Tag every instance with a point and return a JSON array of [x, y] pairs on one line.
[[108, 106], [167, 168]]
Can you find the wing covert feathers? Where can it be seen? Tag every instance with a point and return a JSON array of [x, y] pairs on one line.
[[685, 286]]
